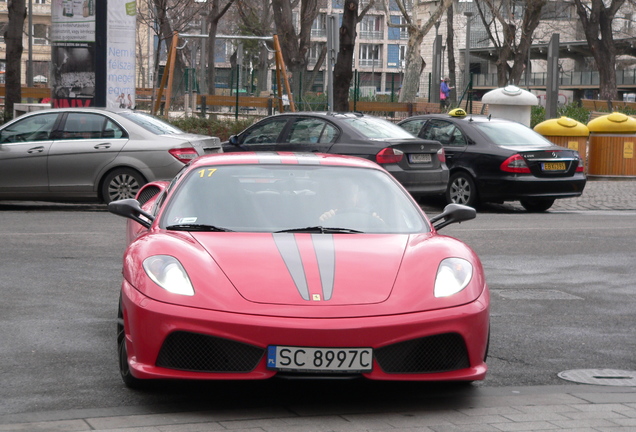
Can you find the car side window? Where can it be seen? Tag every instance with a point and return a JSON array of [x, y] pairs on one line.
[[445, 132], [311, 130], [34, 128], [413, 126], [265, 133], [88, 126], [112, 130]]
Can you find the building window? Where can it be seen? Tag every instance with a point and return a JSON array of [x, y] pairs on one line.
[[40, 34], [371, 27], [319, 26], [314, 52], [370, 55]]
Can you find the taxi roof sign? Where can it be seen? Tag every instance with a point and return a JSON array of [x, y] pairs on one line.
[[457, 112]]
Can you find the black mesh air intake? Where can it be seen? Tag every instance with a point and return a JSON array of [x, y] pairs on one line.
[[203, 353], [147, 194], [439, 353]]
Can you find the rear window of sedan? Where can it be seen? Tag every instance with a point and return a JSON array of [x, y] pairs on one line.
[[151, 123], [512, 134], [376, 128]]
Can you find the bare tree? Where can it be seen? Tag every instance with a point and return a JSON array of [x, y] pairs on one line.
[[450, 48], [510, 26], [295, 44], [596, 19], [13, 40], [414, 61], [256, 18], [342, 71], [216, 9]]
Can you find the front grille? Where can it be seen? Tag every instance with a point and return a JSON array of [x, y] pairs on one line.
[[439, 353], [147, 194], [203, 353]]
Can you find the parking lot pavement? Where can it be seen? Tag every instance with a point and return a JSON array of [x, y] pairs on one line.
[[578, 408]]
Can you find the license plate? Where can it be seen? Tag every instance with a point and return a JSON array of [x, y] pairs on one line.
[[553, 166], [305, 359], [420, 158]]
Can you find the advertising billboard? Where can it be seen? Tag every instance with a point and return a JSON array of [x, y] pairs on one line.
[[93, 53]]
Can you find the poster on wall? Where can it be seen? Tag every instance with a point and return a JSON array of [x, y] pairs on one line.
[[73, 52], [120, 76]]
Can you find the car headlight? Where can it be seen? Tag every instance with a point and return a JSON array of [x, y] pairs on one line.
[[453, 274], [167, 272]]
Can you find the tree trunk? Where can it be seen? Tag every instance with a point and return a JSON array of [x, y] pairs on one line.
[[598, 32], [13, 40], [413, 68], [342, 71], [450, 49]]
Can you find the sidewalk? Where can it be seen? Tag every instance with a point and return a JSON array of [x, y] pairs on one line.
[[579, 408]]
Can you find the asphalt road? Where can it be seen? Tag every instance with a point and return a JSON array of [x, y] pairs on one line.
[[562, 298]]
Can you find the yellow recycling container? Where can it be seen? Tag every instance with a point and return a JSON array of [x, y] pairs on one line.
[[611, 146], [566, 132]]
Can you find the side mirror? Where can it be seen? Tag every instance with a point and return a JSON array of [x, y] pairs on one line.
[[233, 140], [131, 209], [453, 213]]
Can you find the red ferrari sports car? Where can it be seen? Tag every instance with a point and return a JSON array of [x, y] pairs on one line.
[[255, 265]]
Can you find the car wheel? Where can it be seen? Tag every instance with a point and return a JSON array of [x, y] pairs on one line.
[[537, 205], [121, 183], [124, 368], [462, 190]]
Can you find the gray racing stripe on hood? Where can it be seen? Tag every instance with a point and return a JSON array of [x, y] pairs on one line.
[[326, 256], [286, 244]]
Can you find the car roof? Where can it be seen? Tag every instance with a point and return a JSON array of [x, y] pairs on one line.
[[469, 118], [255, 158]]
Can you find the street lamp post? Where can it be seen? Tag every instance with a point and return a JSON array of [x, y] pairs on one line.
[[467, 53]]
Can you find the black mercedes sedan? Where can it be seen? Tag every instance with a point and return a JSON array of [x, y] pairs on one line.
[[496, 160], [416, 163]]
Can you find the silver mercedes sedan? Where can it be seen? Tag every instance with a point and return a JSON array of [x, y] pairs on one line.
[[91, 154]]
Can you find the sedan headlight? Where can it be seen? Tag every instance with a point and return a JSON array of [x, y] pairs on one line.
[[167, 272], [453, 274]]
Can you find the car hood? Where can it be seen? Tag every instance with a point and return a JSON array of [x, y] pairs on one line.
[[302, 269]]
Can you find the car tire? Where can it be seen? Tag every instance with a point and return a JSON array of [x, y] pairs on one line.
[[462, 190], [124, 368], [537, 205], [121, 183]]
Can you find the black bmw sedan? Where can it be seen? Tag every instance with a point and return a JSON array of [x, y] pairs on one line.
[[416, 163], [497, 160]]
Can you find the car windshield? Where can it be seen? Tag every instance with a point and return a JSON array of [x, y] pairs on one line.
[[376, 128], [512, 134], [151, 123], [314, 199]]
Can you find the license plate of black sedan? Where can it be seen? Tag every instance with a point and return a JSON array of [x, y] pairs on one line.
[[553, 166], [419, 158], [309, 359]]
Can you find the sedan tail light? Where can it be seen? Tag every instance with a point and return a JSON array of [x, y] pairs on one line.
[[441, 155], [515, 164], [184, 155], [389, 155], [581, 166]]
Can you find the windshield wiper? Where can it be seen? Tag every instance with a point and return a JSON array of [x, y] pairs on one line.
[[197, 227], [321, 230]]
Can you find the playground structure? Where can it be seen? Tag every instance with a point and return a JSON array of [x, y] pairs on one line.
[[167, 79]]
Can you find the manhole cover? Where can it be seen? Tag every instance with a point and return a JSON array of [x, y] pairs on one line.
[[607, 377]]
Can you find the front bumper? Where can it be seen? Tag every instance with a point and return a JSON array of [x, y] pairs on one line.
[[170, 341]]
